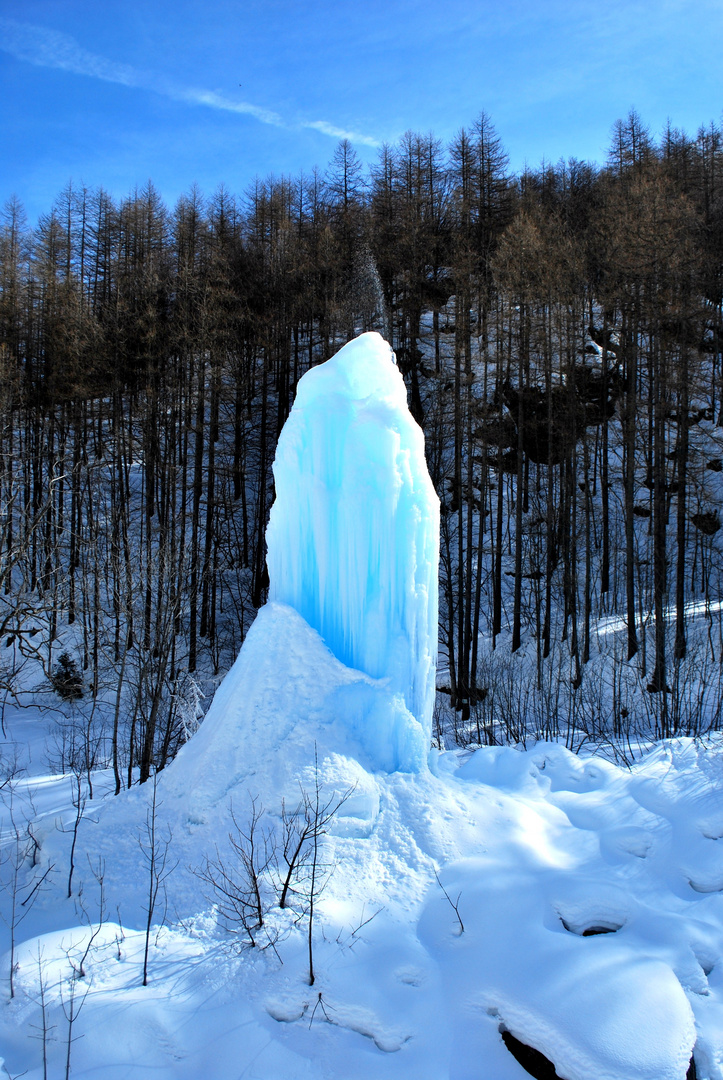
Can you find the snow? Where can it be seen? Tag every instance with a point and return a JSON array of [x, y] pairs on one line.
[[535, 846], [353, 538], [244, 744], [561, 898]]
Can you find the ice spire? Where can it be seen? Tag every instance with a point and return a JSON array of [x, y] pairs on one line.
[[353, 538]]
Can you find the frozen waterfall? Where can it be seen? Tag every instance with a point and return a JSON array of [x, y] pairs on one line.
[[353, 538]]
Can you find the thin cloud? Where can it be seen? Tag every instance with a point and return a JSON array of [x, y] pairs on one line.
[[51, 48], [339, 133], [218, 101]]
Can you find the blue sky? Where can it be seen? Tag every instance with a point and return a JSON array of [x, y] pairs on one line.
[[116, 92]]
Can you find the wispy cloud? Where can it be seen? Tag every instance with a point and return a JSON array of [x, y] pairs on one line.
[[339, 133], [50, 48], [220, 101]]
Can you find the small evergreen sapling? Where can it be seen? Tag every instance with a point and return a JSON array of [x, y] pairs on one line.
[[66, 678]]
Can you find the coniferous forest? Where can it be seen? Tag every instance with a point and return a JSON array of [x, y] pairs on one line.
[[560, 333]]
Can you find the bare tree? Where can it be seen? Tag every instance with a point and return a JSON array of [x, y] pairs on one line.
[[236, 878], [154, 845], [72, 1002], [318, 812], [79, 801], [16, 881], [45, 1028]]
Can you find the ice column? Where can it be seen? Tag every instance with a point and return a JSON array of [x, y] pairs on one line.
[[353, 538]]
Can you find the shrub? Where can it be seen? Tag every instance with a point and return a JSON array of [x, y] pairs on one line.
[[66, 678]]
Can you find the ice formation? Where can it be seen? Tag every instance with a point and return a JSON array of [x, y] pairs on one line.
[[353, 538]]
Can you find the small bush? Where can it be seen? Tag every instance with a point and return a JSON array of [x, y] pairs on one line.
[[66, 678]]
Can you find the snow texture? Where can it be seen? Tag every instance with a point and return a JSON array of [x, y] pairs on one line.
[[536, 847], [353, 538]]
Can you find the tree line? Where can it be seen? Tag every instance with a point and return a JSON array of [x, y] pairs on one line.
[[561, 338]]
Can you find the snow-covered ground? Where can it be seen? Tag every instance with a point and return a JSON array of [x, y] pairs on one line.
[[534, 848]]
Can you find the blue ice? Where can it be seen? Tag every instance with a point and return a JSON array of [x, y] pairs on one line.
[[353, 538]]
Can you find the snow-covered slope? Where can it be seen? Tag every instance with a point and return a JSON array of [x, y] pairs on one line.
[[286, 695]]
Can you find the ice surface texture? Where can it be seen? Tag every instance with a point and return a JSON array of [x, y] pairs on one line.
[[353, 538]]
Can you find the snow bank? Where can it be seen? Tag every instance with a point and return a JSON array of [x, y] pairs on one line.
[[353, 539]]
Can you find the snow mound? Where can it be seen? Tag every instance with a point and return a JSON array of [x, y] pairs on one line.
[[353, 538], [287, 700]]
